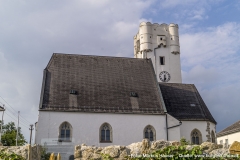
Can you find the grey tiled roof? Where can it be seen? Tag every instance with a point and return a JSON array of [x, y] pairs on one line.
[[103, 84], [183, 102], [229, 130]]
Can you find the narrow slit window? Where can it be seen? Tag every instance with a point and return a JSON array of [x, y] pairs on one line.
[[162, 60]]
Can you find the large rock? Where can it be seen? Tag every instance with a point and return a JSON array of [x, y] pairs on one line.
[[77, 152], [220, 151], [156, 145], [175, 143], [235, 148], [145, 146], [19, 150], [135, 148], [190, 147], [124, 152], [208, 146], [85, 152], [113, 151]]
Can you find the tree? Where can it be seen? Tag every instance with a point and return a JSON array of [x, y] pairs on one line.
[[9, 135]]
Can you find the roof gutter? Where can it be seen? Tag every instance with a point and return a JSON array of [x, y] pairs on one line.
[[180, 123]]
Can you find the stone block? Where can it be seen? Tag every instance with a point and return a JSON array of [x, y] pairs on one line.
[[113, 151], [145, 146], [235, 148]]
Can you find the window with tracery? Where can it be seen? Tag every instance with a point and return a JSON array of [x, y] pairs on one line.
[[149, 133], [65, 132], [105, 133], [196, 137]]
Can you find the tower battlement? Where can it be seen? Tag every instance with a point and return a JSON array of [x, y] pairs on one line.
[[151, 36]]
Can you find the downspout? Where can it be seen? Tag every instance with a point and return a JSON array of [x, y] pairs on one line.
[[166, 125], [180, 123]]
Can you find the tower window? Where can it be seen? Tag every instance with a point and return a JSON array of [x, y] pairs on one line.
[[162, 60]]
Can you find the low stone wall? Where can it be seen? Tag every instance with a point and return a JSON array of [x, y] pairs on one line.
[[27, 152], [84, 152]]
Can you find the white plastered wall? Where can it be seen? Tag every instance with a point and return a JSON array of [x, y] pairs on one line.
[[187, 127], [230, 137], [126, 128], [173, 133]]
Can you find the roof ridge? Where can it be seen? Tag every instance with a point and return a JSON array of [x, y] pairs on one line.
[[98, 56]]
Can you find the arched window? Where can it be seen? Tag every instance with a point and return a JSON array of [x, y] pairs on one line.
[[105, 133], [213, 137], [65, 132], [196, 137], [149, 133]]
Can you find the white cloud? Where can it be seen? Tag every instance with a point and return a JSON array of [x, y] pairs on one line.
[[188, 10], [32, 31], [210, 60], [211, 46], [3, 60]]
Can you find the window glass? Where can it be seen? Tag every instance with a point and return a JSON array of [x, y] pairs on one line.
[[197, 140], [62, 133], [162, 61], [226, 141], [193, 140], [146, 134], [151, 136], [107, 135], [68, 134], [102, 135]]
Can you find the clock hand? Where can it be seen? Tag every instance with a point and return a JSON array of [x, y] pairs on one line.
[[164, 77]]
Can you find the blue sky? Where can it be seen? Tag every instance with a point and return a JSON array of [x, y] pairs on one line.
[[30, 31]]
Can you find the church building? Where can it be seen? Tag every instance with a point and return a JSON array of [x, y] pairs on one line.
[[102, 100]]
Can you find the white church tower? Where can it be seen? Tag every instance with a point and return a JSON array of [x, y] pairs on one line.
[[161, 44]]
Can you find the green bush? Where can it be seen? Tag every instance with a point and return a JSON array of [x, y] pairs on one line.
[[183, 141], [44, 154], [106, 157], [8, 156]]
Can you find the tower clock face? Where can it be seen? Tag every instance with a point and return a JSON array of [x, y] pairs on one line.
[[164, 76]]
